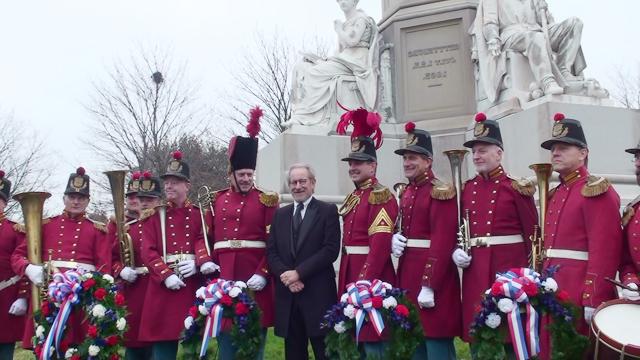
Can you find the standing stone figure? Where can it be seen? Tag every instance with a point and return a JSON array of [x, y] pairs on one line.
[[525, 26], [317, 82]]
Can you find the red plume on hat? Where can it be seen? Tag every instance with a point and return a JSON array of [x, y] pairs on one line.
[[364, 123], [136, 175], [177, 155], [558, 117], [253, 126], [80, 171], [481, 117], [409, 127], [146, 175]]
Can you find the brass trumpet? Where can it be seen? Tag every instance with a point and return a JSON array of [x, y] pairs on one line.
[[205, 198], [543, 173], [32, 204], [116, 182], [456, 159]]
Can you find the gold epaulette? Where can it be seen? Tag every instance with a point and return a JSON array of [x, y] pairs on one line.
[[349, 203], [146, 213], [99, 225], [269, 198], [595, 186], [19, 228], [442, 190], [629, 211], [380, 195], [524, 186]]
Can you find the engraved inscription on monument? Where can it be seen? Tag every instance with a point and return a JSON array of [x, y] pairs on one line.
[[433, 73]]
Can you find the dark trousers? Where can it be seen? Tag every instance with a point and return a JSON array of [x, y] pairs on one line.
[[140, 353], [6, 351], [295, 344], [164, 350]]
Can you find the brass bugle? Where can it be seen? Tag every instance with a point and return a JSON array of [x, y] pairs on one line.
[[543, 173], [32, 204], [125, 244], [456, 159], [205, 199]]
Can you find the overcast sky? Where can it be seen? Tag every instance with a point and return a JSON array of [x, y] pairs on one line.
[[52, 51]]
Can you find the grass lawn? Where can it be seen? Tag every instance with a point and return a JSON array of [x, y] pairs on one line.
[[274, 350]]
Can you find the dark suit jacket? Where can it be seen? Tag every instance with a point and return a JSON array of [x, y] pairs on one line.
[[318, 247]]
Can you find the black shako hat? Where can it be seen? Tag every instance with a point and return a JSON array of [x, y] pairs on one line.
[[150, 186], [485, 131], [243, 151], [133, 184], [177, 167], [568, 131], [78, 183], [5, 187], [418, 141]]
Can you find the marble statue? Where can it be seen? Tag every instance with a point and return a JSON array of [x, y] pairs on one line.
[[553, 54], [318, 83]]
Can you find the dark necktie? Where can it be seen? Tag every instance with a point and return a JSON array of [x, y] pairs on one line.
[[297, 218]]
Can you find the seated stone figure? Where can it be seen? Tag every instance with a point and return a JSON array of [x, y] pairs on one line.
[[318, 83], [506, 30]]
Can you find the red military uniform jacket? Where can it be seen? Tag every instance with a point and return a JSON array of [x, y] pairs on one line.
[[13, 325], [236, 217], [428, 208], [369, 214], [583, 215], [164, 310], [135, 292], [74, 240], [631, 250], [497, 206]]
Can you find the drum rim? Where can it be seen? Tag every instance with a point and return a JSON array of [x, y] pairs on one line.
[[631, 350]]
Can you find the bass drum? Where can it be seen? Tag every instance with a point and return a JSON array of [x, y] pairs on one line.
[[615, 331]]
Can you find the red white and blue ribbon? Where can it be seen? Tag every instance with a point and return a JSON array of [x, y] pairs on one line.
[[360, 295], [213, 292], [525, 340], [65, 289]]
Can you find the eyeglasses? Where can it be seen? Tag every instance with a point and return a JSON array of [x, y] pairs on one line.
[[302, 182]]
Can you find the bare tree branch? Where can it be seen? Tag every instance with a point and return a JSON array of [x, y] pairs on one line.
[[626, 89]]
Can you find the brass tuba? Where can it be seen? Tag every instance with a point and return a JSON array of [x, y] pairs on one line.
[[456, 158], [205, 198], [116, 182], [543, 173], [32, 204]]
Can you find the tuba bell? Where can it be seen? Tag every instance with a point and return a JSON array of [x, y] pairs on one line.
[[125, 244], [32, 204], [543, 173], [456, 158]]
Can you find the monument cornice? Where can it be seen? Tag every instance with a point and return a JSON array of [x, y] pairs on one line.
[[414, 9]]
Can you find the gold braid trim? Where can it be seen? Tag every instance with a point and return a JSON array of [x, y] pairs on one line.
[[442, 190], [349, 203], [381, 224], [100, 226], [628, 215], [269, 199], [146, 213], [380, 195], [19, 228], [595, 186]]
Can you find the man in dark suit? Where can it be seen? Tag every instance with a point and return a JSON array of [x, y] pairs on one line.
[[303, 244]]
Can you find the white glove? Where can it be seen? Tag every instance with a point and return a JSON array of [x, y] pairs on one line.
[[19, 307], [257, 282], [35, 273], [187, 268], [631, 295], [173, 282], [425, 298], [209, 267], [461, 258], [398, 243], [128, 274], [588, 314]]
